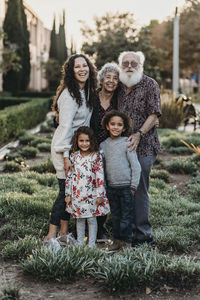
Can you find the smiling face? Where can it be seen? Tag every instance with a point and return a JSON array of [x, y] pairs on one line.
[[84, 144], [110, 81], [115, 127], [81, 71]]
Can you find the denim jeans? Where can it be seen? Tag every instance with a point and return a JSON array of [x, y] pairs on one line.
[[58, 210], [121, 205], [92, 230], [141, 225]]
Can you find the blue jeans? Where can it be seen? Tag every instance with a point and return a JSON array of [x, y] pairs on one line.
[[121, 205], [141, 225]]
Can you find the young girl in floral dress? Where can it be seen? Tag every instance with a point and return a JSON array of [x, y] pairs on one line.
[[85, 192]]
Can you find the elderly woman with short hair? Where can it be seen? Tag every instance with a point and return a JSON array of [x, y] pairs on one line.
[[108, 78]]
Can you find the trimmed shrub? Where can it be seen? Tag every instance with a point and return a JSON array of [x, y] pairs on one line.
[[16, 156], [34, 94], [45, 167], [21, 248], [172, 115], [29, 152], [174, 140], [45, 129], [23, 116], [161, 174], [12, 166], [181, 166], [10, 101], [179, 150], [26, 138], [39, 140], [44, 147]]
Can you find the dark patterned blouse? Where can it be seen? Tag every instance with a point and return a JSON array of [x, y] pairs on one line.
[[139, 104], [102, 134], [97, 116]]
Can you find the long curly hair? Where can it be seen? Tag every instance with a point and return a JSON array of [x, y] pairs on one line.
[[84, 130], [115, 113], [68, 81]]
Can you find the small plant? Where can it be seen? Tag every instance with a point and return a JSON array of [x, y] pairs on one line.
[[174, 139], [16, 156], [45, 129], [28, 186], [63, 264], [26, 138], [44, 167], [172, 115], [29, 152], [179, 150], [192, 147], [161, 174], [21, 248], [12, 166], [11, 292], [37, 141], [181, 166], [44, 147]]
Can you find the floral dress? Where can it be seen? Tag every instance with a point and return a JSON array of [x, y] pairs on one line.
[[84, 184]]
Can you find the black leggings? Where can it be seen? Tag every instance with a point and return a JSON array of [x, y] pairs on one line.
[[58, 210]]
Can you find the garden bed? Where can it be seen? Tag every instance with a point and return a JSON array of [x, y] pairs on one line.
[[171, 270]]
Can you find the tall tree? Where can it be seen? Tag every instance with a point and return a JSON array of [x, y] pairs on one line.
[[10, 61], [53, 54], [72, 47], [26, 66], [113, 34], [153, 55], [12, 26], [62, 48]]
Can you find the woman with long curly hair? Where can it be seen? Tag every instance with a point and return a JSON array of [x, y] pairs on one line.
[[74, 101]]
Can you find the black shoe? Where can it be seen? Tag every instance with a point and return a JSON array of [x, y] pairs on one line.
[[149, 241], [102, 239]]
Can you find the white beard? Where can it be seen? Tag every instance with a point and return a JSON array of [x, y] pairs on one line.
[[133, 79]]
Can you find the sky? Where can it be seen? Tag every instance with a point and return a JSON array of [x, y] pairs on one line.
[[85, 10]]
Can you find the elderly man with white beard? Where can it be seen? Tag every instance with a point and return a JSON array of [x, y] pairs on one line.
[[139, 98]]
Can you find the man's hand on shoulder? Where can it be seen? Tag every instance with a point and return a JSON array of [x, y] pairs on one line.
[[134, 140]]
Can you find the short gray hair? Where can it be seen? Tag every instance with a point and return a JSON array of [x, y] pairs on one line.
[[139, 56], [108, 67]]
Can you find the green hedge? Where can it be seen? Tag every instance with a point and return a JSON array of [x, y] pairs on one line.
[[35, 94], [23, 116], [9, 101]]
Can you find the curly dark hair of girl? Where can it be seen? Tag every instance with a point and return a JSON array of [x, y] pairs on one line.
[[115, 113], [84, 130], [68, 81]]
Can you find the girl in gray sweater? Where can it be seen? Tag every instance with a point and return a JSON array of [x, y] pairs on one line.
[[122, 175]]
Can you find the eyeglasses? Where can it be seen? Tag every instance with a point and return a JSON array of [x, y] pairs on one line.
[[133, 64]]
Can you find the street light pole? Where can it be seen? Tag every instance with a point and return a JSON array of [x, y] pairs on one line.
[[176, 53]]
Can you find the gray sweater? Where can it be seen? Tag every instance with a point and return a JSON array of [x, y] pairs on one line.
[[122, 166]]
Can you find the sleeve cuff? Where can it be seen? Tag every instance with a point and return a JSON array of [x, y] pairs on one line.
[[66, 154]]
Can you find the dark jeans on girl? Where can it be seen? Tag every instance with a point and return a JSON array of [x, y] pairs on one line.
[[58, 210], [121, 205]]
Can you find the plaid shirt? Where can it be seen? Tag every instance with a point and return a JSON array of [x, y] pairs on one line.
[[139, 104]]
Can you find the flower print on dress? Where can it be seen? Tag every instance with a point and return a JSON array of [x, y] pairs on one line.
[[85, 184]]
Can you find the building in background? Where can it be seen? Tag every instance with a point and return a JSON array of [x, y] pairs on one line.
[[2, 15], [39, 44]]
